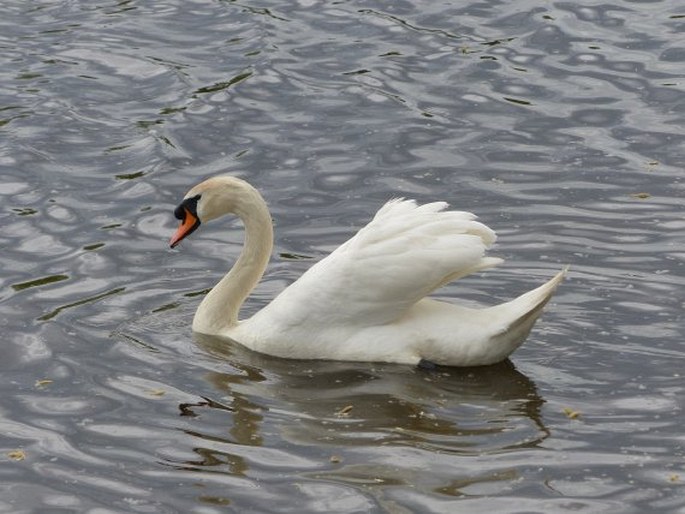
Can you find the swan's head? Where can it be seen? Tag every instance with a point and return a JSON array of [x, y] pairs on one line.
[[208, 200]]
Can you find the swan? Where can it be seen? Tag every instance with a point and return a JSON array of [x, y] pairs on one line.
[[366, 301]]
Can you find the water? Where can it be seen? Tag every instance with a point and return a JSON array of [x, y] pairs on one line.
[[558, 123]]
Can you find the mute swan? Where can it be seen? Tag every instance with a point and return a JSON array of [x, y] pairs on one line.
[[367, 300]]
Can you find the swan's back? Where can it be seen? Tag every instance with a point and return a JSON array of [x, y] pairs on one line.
[[402, 255]]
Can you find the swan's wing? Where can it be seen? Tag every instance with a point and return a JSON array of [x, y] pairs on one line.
[[402, 255]]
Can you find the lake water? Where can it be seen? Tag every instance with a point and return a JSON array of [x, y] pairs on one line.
[[559, 123]]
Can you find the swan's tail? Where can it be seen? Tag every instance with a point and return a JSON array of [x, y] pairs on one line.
[[517, 317]]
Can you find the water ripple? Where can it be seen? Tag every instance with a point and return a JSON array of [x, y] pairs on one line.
[[558, 124]]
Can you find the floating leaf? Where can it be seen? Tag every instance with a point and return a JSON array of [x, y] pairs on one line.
[[28, 76], [39, 282], [167, 306], [197, 293], [130, 176], [25, 211], [517, 101], [116, 148], [357, 72], [146, 124], [167, 141], [345, 411], [641, 196], [156, 392], [109, 227], [294, 256], [17, 455], [171, 110], [219, 86], [43, 382], [94, 246], [571, 414]]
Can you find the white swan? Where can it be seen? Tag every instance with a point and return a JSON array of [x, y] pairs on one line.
[[367, 300]]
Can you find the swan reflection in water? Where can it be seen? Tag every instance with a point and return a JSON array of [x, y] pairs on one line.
[[339, 407]]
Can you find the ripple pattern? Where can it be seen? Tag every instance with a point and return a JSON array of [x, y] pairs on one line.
[[558, 123]]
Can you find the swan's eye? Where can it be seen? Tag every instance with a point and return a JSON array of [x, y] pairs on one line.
[[190, 204]]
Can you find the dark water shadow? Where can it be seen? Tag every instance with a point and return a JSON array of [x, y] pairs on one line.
[[348, 405]]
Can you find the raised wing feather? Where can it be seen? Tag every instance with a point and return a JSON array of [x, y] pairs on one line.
[[402, 255]]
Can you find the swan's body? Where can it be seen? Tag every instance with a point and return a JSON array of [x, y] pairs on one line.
[[367, 300]]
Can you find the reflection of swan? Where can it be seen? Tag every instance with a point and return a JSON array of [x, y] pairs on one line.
[[362, 430], [459, 410], [366, 301], [355, 425]]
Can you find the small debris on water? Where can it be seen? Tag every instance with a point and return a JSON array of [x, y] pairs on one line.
[[571, 414], [345, 411], [17, 455]]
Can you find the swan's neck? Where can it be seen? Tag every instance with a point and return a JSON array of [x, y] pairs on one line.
[[219, 309]]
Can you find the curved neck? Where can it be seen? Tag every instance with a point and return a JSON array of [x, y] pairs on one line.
[[219, 309]]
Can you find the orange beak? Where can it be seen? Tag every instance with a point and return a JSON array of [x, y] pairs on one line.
[[187, 226]]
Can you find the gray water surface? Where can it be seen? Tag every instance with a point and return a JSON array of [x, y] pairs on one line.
[[558, 123]]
